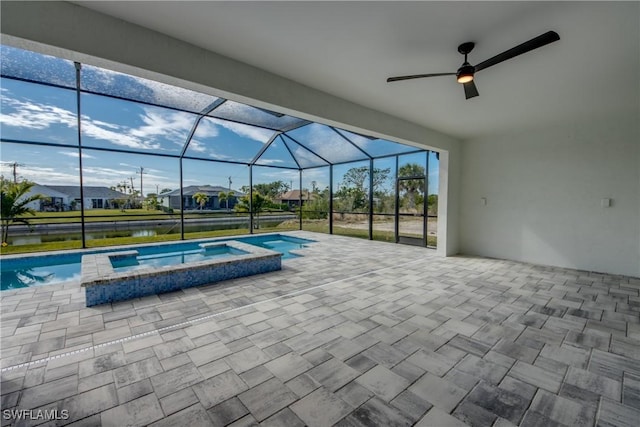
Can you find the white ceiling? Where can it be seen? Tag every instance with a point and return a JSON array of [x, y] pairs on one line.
[[348, 49]]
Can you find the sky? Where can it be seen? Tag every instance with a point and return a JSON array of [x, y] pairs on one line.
[[40, 113]]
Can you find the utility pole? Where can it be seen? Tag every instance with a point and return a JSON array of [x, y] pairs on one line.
[[132, 187], [14, 167], [141, 172], [229, 194]]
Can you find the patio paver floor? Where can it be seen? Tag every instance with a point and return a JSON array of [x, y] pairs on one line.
[[354, 333]]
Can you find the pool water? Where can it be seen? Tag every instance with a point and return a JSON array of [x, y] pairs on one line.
[[172, 258], [57, 268]]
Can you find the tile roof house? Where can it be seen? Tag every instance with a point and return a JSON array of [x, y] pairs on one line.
[[292, 197], [172, 199], [66, 197]]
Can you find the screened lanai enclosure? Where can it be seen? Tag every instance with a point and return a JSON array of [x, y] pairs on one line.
[[110, 158]]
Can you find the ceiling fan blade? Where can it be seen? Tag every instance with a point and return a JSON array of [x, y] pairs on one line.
[[417, 76], [470, 90], [534, 43]]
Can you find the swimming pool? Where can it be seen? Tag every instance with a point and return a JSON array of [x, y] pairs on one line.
[[131, 263], [38, 270]]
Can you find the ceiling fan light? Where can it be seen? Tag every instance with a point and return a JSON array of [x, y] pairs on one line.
[[465, 73]]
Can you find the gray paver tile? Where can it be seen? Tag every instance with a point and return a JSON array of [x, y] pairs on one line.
[[175, 379], [614, 414], [474, 415], [333, 374], [89, 403], [469, 345], [286, 417], [383, 383], [208, 353], [227, 412], [612, 365], [440, 418], [246, 359], [246, 421], [267, 398], [288, 366], [321, 408], [137, 371], [499, 401], [354, 394], [48, 392], [384, 354], [436, 363], [178, 401], [411, 406], [193, 416], [481, 368], [631, 391], [255, 376], [594, 383], [376, 412], [536, 376], [101, 363], [568, 355], [562, 410], [134, 391], [303, 385], [219, 388], [139, 412], [437, 391]]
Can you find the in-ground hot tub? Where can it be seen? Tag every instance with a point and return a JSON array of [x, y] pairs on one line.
[[118, 276]]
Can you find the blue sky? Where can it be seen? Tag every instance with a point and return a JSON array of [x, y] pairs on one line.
[[32, 112]]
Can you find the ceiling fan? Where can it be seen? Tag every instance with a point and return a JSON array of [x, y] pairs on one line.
[[466, 72]]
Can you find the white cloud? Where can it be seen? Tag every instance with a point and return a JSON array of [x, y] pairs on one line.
[[76, 155], [29, 115], [257, 134], [269, 161]]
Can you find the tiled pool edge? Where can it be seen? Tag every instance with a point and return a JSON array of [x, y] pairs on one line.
[[104, 285]]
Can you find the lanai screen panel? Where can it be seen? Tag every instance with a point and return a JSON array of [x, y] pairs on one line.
[[32, 66], [227, 141], [38, 113], [327, 143], [243, 113], [277, 154], [112, 83], [304, 157], [376, 147], [127, 125]]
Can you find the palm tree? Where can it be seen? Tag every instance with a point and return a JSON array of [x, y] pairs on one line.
[[413, 187], [14, 204], [201, 199], [224, 197]]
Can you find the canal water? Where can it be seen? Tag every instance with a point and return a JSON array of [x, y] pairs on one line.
[[132, 231]]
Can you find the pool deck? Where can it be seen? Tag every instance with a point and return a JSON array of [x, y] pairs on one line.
[[355, 333]]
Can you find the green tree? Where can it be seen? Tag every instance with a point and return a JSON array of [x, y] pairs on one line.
[[151, 202], [412, 187], [318, 206], [258, 204], [201, 199], [432, 204], [14, 203], [353, 193], [270, 190]]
